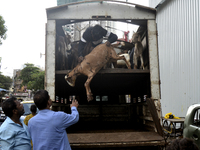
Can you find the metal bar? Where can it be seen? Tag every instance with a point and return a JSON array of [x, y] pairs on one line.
[[153, 59], [50, 58]]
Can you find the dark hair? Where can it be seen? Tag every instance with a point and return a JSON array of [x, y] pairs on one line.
[[8, 106], [41, 99], [183, 144], [96, 31], [33, 108]]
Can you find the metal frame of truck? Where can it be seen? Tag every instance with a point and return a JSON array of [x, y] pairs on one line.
[[110, 11]]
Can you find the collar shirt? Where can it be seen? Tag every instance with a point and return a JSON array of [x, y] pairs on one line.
[[14, 136], [48, 129]]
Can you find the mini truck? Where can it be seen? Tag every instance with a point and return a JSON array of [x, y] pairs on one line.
[[108, 122]]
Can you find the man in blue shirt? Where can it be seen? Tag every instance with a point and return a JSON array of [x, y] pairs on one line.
[[13, 132], [48, 128]]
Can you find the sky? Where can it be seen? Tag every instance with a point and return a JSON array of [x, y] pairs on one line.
[[25, 21]]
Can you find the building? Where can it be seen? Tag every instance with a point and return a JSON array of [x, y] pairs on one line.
[[17, 81], [178, 25]]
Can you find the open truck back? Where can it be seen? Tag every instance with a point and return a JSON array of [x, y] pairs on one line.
[[108, 121]]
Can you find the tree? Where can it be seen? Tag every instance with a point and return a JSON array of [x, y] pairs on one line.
[[27, 72], [5, 81], [32, 76], [3, 29], [38, 81]]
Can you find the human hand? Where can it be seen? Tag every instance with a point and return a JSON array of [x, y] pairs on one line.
[[108, 43], [80, 59], [74, 103]]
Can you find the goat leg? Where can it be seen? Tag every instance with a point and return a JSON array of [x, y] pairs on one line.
[[142, 62], [88, 90], [135, 61], [116, 57]]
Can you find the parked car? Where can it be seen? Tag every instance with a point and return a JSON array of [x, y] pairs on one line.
[[192, 124], [27, 105]]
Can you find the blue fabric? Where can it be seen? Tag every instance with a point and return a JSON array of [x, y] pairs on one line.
[[4, 90], [13, 136], [48, 129]]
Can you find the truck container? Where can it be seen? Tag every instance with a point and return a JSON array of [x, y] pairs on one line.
[[126, 110]]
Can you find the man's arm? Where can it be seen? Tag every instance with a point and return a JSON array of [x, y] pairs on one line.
[[72, 118]]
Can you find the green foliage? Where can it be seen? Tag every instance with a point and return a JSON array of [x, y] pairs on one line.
[[3, 29], [27, 72], [5, 81], [32, 76], [38, 81]]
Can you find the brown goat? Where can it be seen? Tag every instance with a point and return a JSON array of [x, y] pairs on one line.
[[91, 64]]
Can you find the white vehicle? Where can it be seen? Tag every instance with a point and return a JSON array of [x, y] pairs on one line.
[[27, 111]]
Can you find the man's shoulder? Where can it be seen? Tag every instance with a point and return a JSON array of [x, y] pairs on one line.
[[58, 113], [7, 125]]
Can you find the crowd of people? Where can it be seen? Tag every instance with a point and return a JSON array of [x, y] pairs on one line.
[[43, 129]]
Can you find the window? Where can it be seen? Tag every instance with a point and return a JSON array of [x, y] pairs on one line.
[[196, 120]]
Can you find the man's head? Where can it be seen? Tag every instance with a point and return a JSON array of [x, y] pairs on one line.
[[96, 32], [42, 99], [33, 108], [182, 144], [13, 107]]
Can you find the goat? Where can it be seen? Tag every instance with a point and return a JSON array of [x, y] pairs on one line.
[[61, 60], [91, 64], [138, 50]]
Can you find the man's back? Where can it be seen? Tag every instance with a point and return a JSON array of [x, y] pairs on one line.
[[48, 129]]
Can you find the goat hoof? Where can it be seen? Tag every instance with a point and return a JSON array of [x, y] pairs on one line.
[[89, 98]]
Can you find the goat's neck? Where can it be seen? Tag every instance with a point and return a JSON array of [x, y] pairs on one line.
[[138, 44]]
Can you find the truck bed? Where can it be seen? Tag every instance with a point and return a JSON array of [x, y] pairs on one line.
[[116, 140], [113, 126]]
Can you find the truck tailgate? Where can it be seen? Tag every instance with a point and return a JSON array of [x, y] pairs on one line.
[[119, 139]]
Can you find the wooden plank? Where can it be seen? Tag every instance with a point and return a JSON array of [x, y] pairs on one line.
[[112, 70], [146, 118], [115, 139], [154, 115]]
